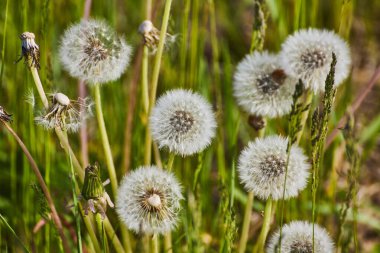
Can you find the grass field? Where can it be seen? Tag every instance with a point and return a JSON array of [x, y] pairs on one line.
[[208, 40]]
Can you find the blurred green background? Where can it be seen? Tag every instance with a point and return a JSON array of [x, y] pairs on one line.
[[212, 37]]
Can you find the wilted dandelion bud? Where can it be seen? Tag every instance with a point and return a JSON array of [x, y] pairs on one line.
[[262, 166], [183, 122], [30, 50], [307, 55], [4, 116], [64, 113], [297, 236], [148, 200], [261, 86], [150, 34], [93, 52], [94, 193]]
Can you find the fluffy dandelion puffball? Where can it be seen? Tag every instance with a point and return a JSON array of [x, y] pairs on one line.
[[297, 236], [307, 55], [148, 200], [261, 86], [93, 52], [65, 113], [183, 122], [262, 167]]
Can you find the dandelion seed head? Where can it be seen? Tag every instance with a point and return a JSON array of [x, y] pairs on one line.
[[297, 237], [93, 52], [64, 113], [183, 122], [261, 87], [307, 55], [149, 200], [262, 167]]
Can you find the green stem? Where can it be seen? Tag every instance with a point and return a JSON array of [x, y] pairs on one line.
[[105, 141], [39, 87], [90, 230], [155, 75], [246, 221], [168, 236], [305, 115], [155, 243], [259, 247], [169, 165], [144, 81], [101, 231]]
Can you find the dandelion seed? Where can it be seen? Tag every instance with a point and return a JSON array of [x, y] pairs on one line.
[[261, 87], [149, 200], [297, 236], [183, 122], [30, 50], [93, 52], [94, 193], [307, 55], [29, 97], [262, 167], [64, 113], [4, 116]]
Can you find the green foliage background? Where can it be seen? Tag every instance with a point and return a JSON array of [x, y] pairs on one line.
[[203, 59]]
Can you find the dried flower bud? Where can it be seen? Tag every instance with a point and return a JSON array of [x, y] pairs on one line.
[[150, 34], [64, 113], [4, 116], [30, 50], [94, 193]]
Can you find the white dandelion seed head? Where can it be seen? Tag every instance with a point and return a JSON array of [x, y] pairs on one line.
[[307, 55], [183, 122], [297, 236], [148, 200], [93, 52], [146, 27], [262, 167], [261, 87], [64, 113]]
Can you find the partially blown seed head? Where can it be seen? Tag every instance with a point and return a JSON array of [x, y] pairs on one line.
[[261, 86], [307, 55], [148, 200], [92, 51], [297, 237], [262, 167], [182, 121], [64, 113]]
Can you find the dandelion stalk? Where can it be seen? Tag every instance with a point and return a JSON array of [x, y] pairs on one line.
[[44, 188], [259, 247], [155, 75], [105, 141], [155, 243], [246, 222]]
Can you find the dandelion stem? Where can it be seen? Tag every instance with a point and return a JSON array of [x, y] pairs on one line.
[[44, 188], [39, 87], [246, 221], [155, 243], [144, 80], [259, 247], [168, 236], [105, 141], [155, 75]]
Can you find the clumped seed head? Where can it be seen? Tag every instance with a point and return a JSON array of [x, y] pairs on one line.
[[149, 200], [261, 86], [92, 51], [297, 237], [64, 113], [183, 122], [307, 55], [30, 50], [262, 167], [4, 116]]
